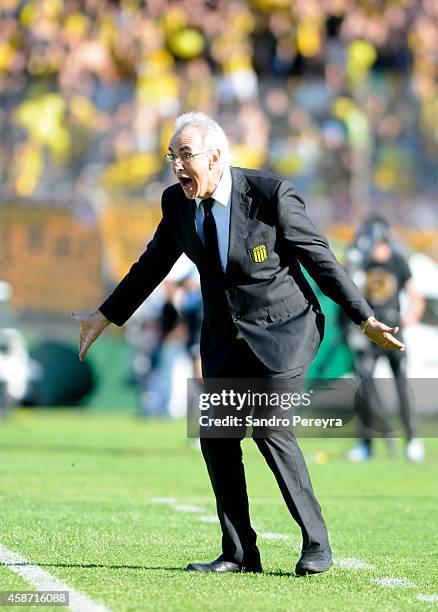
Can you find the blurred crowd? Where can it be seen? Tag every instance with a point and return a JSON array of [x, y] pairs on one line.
[[338, 95]]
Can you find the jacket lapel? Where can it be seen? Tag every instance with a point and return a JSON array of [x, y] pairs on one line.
[[240, 206], [189, 231]]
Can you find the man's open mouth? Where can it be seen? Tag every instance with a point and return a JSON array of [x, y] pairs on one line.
[[185, 182]]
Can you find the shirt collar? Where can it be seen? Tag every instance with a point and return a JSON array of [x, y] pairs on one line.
[[222, 193]]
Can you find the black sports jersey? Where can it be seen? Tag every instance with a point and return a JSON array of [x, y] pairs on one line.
[[384, 281]]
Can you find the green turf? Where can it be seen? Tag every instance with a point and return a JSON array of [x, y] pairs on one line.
[[75, 499]]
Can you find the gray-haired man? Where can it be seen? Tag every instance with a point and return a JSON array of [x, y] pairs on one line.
[[248, 233]]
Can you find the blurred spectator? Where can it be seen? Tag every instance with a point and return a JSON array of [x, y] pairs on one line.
[[317, 90], [165, 338], [382, 274]]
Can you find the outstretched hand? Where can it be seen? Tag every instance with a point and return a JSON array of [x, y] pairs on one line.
[[381, 334], [91, 326]]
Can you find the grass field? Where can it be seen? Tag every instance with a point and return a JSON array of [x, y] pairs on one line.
[[116, 508]]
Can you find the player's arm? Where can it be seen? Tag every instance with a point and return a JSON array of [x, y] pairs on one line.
[[417, 304]]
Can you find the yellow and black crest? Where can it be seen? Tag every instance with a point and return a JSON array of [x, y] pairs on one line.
[[259, 253]]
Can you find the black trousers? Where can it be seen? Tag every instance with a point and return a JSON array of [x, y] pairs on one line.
[[223, 458], [373, 417]]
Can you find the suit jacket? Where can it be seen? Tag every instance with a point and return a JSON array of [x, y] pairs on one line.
[[263, 292]]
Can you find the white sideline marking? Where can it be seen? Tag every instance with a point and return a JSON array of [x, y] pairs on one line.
[[187, 508], [209, 518], [43, 581], [172, 501], [350, 563], [392, 583], [273, 536], [208, 500], [428, 598], [353, 564]]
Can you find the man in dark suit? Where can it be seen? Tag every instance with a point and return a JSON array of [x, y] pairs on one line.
[[247, 232]]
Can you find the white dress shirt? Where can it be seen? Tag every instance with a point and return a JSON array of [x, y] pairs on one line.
[[221, 213]]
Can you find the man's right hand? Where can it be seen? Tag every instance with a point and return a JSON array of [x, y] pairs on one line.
[[91, 326]]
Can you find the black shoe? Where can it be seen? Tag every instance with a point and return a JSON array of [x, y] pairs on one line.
[[220, 565], [314, 562]]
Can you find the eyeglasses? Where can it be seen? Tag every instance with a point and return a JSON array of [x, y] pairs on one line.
[[171, 158]]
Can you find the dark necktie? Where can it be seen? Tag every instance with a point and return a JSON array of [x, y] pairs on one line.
[[210, 235]]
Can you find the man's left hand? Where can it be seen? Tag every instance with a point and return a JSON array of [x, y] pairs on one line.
[[381, 334]]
